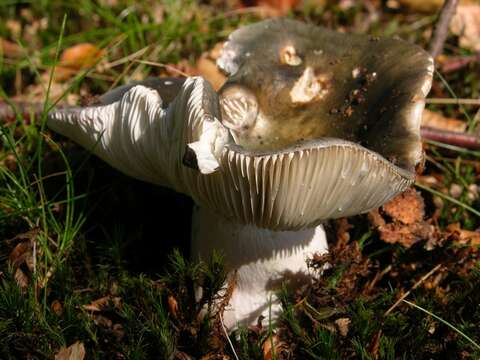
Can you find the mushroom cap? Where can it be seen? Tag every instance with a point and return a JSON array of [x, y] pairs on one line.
[[314, 164], [311, 82]]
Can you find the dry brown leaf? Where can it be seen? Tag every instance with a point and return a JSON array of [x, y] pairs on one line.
[[21, 278], [75, 58], [271, 8], [57, 307], [461, 236], [435, 120], [23, 254], [283, 7], [9, 49], [102, 303], [407, 208], [75, 351], [80, 56], [343, 325], [206, 66], [406, 226], [272, 347], [422, 6], [406, 235], [466, 24], [172, 306]]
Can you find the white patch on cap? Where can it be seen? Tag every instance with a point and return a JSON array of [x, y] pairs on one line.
[[309, 87], [288, 55]]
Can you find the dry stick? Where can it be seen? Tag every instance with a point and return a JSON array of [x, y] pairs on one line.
[[436, 46], [441, 29], [463, 140], [467, 141], [450, 101], [417, 284]]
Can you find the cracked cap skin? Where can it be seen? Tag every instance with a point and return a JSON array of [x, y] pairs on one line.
[[311, 125]]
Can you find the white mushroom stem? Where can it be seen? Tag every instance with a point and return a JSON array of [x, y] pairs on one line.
[[260, 260]]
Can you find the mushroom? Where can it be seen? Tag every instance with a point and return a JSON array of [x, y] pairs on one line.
[[310, 125]]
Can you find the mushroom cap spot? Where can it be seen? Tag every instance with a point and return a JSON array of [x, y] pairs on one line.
[[288, 55], [307, 88], [375, 87]]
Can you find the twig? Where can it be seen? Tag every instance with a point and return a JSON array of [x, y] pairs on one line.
[[417, 284], [441, 29], [451, 101], [166, 66], [459, 63], [463, 140]]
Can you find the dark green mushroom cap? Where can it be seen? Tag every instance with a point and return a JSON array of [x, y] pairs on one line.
[[310, 82]]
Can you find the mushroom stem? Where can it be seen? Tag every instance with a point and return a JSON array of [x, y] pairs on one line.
[[259, 259]]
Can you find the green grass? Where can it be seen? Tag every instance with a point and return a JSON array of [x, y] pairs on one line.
[[95, 237]]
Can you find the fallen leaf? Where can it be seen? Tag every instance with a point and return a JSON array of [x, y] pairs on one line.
[[57, 307], [343, 325], [80, 56], [22, 253], [404, 224], [466, 25], [282, 6], [206, 66], [172, 306], [102, 303], [422, 6], [75, 58], [438, 121], [408, 207], [461, 236], [22, 257], [272, 347], [75, 351], [9, 49], [406, 235], [270, 8], [21, 278]]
